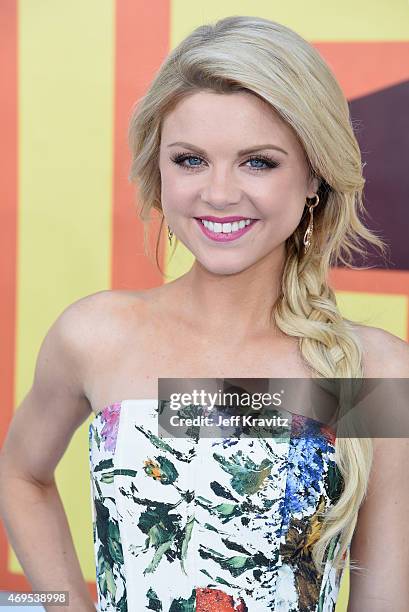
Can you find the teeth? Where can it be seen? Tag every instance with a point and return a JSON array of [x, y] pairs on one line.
[[225, 228]]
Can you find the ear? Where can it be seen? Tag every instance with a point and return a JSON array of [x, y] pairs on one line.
[[313, 185]]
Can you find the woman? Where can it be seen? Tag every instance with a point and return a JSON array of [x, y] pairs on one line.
[[244, 145]]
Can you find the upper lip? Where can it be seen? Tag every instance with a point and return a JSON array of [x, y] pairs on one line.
[[223, 219]]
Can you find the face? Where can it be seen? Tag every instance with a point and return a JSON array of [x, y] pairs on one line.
[[212, 174]]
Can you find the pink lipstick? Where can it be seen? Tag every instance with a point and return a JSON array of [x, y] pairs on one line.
[[221, 236]]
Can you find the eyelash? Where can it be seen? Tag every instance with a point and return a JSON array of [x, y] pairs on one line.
[[181, 157]]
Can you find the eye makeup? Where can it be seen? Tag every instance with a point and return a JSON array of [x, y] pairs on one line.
[[269, 162]]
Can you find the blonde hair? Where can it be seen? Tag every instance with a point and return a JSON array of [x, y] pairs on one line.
[[269, 60]]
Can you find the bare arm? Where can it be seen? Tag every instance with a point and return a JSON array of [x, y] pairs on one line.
[[381, 539], [38, 436]]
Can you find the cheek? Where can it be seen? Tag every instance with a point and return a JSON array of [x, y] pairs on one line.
[[282, 198], [176, 192]]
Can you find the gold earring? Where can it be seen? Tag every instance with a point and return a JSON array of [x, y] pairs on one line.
[[308, 233], [170, 234]]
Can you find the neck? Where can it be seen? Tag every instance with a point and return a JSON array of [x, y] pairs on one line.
[[239, 304]]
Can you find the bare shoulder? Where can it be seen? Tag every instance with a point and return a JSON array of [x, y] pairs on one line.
[[105, 302], [58, 402], [78, 335], [90, 314], [100, 322], [385, 355]]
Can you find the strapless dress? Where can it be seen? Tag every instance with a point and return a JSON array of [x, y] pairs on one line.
[[209, 524]]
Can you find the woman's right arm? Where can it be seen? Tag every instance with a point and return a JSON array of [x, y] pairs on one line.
[[39, 433]]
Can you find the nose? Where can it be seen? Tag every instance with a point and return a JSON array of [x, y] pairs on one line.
[[220, 190]]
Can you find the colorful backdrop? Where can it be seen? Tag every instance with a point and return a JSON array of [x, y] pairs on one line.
[[70, 72]]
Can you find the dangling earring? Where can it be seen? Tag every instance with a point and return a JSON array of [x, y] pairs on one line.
[[170, 234], [308, 233]]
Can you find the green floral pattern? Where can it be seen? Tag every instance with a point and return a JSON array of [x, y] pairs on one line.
[[205, 524]]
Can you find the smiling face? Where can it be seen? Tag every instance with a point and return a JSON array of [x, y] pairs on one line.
[[211, 175]]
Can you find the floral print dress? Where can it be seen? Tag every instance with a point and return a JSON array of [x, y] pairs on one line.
[[209, 524]]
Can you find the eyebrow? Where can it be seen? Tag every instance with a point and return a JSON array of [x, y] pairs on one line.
[[241, 152]]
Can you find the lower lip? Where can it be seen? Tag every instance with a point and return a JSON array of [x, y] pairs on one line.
[[221, 237]]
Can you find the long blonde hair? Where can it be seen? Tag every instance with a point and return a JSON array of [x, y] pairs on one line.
[[254, 54]]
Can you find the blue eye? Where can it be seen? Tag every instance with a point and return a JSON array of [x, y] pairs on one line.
[[268, 162], [179, 159]]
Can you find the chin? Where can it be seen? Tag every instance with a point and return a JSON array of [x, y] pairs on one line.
[[223, 268]]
